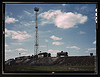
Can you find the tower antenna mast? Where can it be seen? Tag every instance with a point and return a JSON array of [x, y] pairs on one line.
[[36, 33]]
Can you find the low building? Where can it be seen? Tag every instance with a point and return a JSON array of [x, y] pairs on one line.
[[59, 54], [44, 54]]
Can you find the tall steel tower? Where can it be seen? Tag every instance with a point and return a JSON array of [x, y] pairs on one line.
[[36, 34]]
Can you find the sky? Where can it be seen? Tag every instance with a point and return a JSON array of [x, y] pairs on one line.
[[62, 27]]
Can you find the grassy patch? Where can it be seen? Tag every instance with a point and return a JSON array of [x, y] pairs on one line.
[[48, 68]]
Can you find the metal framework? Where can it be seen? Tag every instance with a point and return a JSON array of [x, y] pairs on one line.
[[36, 34]]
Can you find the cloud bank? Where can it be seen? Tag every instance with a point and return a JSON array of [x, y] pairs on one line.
[[10, 20], [55, 38], [74, 47], [64, 20], [91, 49], [21, 49], [94, 42], [17, 34], [81, 32], [57, 43]]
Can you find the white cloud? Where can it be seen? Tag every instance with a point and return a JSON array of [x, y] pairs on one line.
[[63, 4], [42, 46], [43, 22], [91, 49], [95, 30], [28, 13], [50, 14], [20, 17], [8, 50], [57, 43], [69, 20], [10, 20], [53, 52], [74, 47], [62, 20], [26, 54], [94, 42], [6, 45], [27, 23], [81, 32], [21, 49], [16, 43], [55, 38], [83, 8], [17, 34], [49, 31], [30, 54]]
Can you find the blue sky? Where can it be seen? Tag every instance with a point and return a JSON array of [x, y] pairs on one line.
[[62, 27]]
